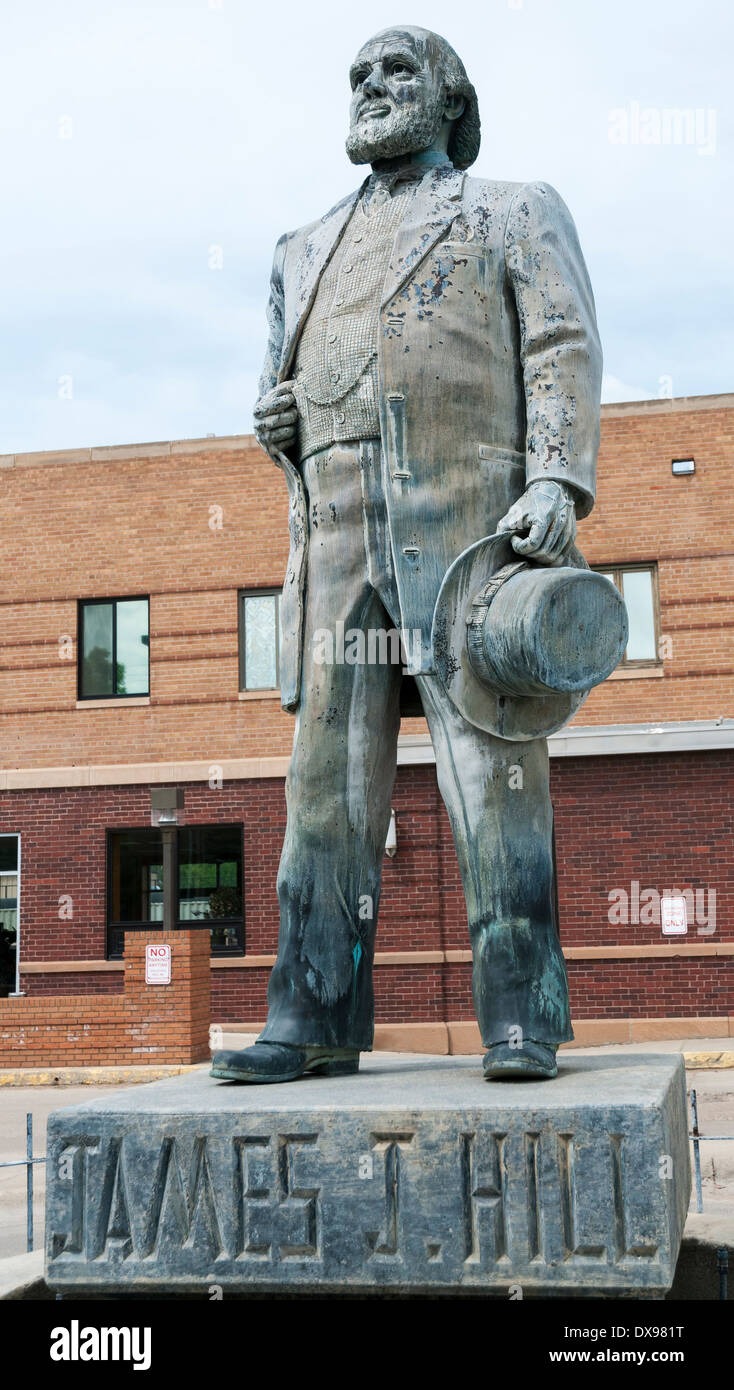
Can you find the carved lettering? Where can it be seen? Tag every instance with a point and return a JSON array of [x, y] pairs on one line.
[[569, 1214], [74, 1241], [641, 1249], [386, 1241], [114, 1230], [299, 1209], [253, 1207], [187, 1210], [484, 1203]]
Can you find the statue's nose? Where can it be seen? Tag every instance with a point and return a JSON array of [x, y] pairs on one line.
[[374, 85]]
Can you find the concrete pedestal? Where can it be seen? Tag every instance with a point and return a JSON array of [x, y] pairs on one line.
[[414, 1175]]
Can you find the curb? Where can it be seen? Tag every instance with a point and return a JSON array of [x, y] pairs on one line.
[[90, 1076], [708, 1061]]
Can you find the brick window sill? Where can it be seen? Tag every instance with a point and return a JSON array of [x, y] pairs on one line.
[[636, 673]]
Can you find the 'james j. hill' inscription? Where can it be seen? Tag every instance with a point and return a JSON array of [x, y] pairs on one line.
[[267, 1214]]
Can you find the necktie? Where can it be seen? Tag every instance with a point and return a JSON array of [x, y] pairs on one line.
[[381, 186]]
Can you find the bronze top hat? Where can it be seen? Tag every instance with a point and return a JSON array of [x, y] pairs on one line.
[[519, 645]]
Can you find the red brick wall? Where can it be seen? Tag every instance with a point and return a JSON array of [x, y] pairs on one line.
[[662, 820], [146, 1024], [665, 821], [133, 520], [643, 513]]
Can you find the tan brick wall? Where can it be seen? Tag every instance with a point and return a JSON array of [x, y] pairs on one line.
[[113, 522]]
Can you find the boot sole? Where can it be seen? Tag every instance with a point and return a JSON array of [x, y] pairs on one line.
[[516, 1073]]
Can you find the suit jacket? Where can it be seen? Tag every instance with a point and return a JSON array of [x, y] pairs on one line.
[[490, 376]]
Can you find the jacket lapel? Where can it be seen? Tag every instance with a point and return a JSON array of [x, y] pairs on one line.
[[436, 203], [315, 254]]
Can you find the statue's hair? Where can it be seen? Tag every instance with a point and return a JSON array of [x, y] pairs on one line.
[[466, 135]]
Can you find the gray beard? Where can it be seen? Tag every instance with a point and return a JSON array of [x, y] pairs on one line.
[[408, 130]]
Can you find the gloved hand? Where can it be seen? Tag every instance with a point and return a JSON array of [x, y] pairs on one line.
[[276, 419], [547, 512]]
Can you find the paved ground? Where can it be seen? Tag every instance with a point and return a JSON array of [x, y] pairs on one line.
[[714, 1088], [15, 1102]]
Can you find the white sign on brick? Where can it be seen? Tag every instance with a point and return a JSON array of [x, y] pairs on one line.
[[157, 965], [673, 917]]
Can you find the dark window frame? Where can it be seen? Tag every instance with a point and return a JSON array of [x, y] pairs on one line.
[[111, 951], [650, 567], [243, 594], [84, 603]]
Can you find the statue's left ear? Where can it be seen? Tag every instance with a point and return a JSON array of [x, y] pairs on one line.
[[454, 106]]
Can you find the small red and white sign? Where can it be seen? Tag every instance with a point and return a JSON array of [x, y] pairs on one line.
[[673, 916], [157, 965]]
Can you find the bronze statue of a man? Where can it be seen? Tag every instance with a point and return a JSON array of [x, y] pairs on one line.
[[432, 379]]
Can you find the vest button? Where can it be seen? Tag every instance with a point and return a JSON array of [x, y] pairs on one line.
[[332, 337], [339, 417]]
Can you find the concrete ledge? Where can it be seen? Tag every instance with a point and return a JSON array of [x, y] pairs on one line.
[[412, 1037], [575, 741], [464, 1038], [450, 957]]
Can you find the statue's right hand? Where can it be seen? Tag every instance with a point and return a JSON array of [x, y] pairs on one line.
[[276, 418]]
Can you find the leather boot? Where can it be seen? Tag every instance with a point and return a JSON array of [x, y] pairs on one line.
[[269, 1062], [534, 1061]]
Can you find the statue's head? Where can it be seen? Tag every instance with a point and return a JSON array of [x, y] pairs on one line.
[[410, 91]]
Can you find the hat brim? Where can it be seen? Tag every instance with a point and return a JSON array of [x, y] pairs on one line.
[[516, 718]]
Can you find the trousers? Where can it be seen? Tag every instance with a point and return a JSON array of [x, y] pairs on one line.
[[339, 789]]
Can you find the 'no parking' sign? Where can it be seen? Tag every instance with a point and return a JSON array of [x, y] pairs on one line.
[[157, 965]]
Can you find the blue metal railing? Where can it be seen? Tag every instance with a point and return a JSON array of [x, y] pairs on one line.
[[27, 1163]]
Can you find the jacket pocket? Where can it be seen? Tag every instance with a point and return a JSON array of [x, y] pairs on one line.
[[464, 248], [497, 453]]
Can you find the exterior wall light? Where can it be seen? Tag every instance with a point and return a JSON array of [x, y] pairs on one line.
[[391, 843], [166, 806], [683, 466]]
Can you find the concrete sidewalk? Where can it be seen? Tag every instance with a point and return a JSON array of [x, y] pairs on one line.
[[700, 1053]]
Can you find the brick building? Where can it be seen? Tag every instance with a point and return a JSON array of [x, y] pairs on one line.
[[138, 647]]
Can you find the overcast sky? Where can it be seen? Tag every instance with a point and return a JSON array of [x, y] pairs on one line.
[[146, 146]]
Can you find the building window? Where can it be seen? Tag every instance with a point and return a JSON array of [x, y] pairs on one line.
[[639, 587], [259, 639], [113, 648], [209, 873], [9, 879]]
